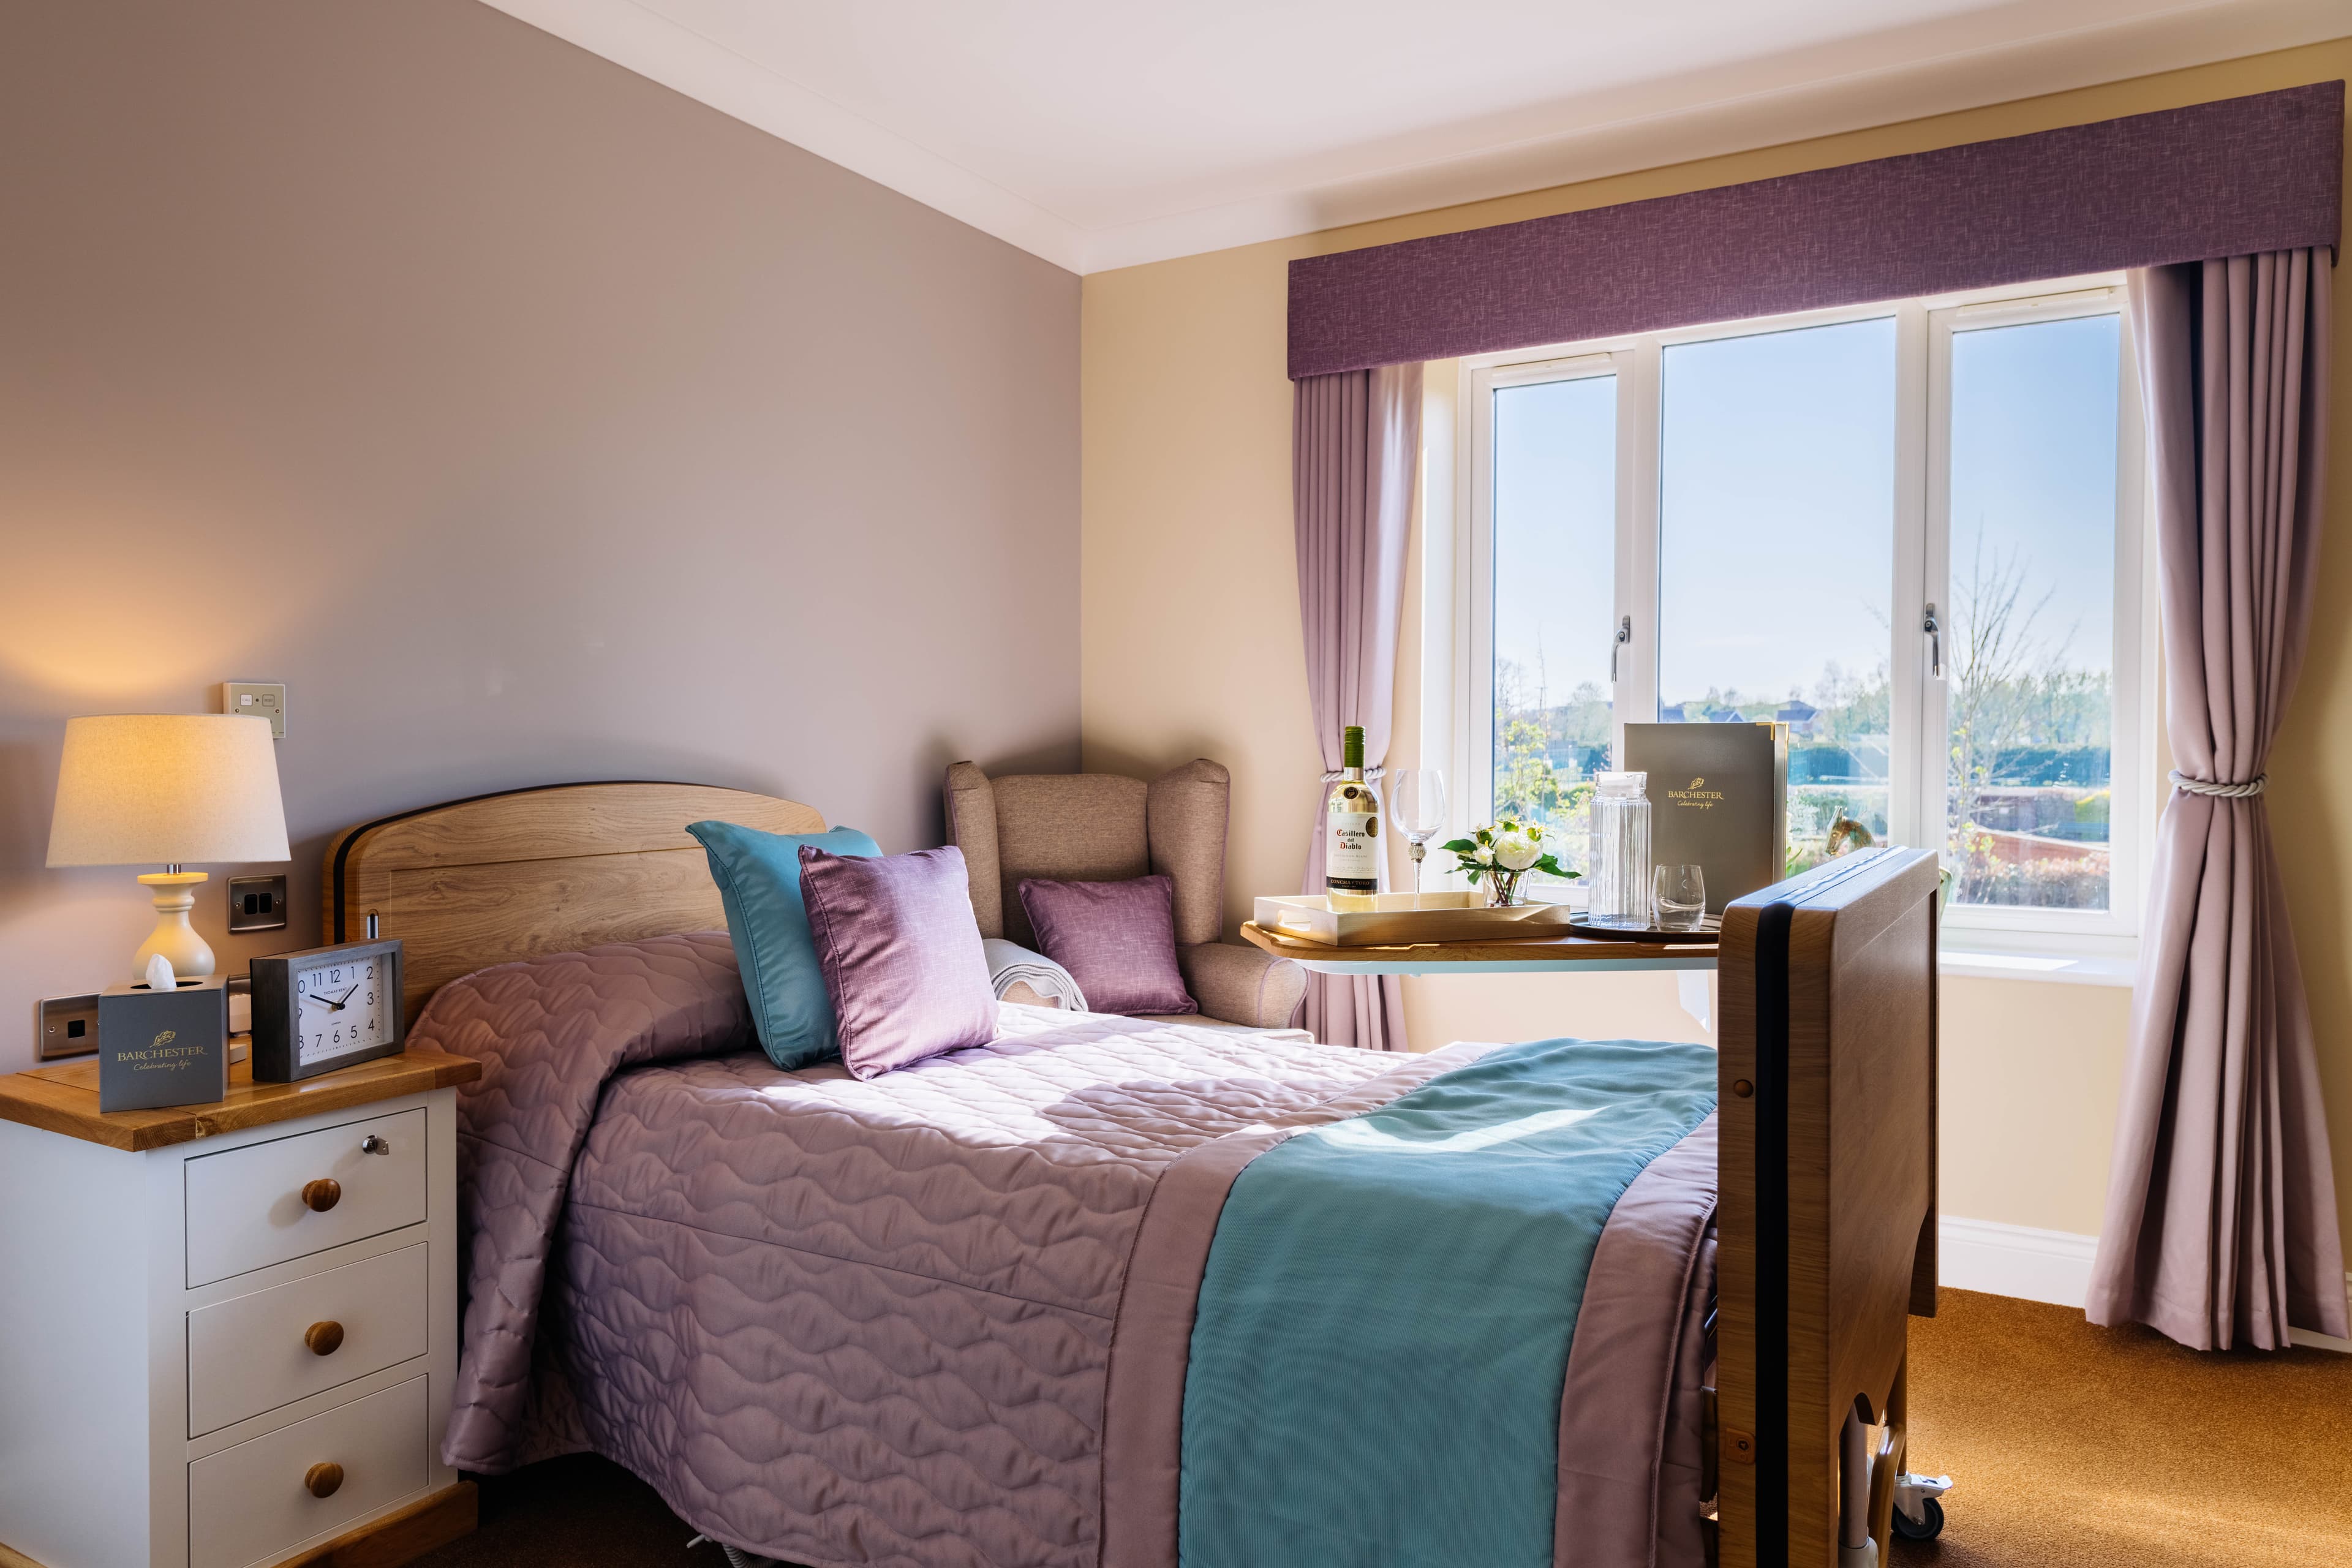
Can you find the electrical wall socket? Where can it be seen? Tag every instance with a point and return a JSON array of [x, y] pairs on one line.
[[68, 1027], [257, 903], [261, 698]]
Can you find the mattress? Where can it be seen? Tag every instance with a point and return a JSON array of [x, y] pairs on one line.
[[836, 1321]]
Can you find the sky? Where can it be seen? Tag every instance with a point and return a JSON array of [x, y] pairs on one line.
[[1777, 503]]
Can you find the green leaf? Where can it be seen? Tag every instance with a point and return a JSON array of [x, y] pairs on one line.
[[1552, 865], [1475, 872], [1459, 846]]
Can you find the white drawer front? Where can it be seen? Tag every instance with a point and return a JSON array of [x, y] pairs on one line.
[[250, 1354], [250, 1503], [245, 1209]]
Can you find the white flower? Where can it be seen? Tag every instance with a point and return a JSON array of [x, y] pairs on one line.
[[1485, 856], [1516, 850]]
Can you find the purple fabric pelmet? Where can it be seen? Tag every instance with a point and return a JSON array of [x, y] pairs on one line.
[[2228, 178]]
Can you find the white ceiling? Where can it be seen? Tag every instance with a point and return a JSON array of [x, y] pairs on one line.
[[1098, 134]]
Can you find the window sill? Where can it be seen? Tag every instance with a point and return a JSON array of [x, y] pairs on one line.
[[2064, 969]]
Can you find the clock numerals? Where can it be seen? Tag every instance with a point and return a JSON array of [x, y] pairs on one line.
[[334, 1009]]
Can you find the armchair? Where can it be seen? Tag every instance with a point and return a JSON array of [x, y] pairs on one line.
[[1103, 828]]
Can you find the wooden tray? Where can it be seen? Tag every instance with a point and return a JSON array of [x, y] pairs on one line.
[[1397, 919]]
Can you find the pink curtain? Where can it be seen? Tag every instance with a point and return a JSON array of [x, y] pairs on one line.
[[1355, 448], [2220, 1224]]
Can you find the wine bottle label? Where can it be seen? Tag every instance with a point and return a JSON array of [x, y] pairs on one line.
[[1351, 860]]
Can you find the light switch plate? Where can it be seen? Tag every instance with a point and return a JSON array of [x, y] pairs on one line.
[[257, 903], [261, 698], [68, 1027]]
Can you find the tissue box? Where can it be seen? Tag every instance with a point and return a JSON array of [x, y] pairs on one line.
[[163, 1047]]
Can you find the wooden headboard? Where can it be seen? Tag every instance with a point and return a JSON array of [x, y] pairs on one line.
[[506, 876]]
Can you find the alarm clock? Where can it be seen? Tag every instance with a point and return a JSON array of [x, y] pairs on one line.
[[324, 1008]]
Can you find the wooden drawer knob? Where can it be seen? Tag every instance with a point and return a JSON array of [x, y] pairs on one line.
[[322, 1194], [324, 1480], [324, 1338]]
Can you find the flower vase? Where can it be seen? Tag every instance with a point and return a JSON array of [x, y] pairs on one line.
[[1503, 888]]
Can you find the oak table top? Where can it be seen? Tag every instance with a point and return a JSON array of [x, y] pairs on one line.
[[63, 1098], [1538, 955]]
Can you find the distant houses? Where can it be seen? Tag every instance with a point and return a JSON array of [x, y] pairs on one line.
[[1797, 714]]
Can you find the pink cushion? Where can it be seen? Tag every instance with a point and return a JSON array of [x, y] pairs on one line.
[[901, 956], [1117, 940]]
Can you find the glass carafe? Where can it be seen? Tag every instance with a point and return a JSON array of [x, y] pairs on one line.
[[1620, 863]]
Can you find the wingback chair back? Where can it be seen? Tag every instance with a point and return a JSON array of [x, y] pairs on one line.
[[1092, 828]]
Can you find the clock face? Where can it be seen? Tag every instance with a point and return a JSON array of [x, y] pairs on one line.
[[341, 1008]]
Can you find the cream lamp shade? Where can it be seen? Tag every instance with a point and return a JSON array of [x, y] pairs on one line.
[[146, 789]]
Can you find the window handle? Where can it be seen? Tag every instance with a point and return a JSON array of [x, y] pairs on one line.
[[1935, 630], [1625, 635]]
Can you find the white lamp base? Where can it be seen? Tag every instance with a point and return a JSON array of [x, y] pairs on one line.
[[173, 937]]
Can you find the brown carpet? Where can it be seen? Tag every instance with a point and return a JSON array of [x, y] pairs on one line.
[[2117, 1449], [2066, 1444]]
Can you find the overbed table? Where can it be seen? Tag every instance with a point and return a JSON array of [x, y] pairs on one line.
[[1540, 955]]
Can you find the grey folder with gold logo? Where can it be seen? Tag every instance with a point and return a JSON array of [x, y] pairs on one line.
[[1718, 800], [163, 1047]]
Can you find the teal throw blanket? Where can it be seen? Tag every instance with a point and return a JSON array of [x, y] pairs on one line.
[[1384, 1322]]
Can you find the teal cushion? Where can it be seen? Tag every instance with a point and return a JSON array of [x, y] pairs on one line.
[[759, 876]]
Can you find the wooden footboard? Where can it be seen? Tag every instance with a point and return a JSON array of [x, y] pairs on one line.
[[1827, 1005]]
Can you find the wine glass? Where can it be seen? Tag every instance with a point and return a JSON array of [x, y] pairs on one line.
[[1418, 805]]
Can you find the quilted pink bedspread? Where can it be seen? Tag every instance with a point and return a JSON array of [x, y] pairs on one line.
[[836, 1321]]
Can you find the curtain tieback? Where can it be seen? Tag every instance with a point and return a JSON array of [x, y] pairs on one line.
[[1370, 773], [2247, 791]]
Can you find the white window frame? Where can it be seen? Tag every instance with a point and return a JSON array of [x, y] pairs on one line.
[[1458, 713]]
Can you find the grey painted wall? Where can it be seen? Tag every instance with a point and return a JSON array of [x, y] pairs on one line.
[[532, 422]]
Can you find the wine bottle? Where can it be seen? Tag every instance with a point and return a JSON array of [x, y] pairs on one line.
[[1351, 850]]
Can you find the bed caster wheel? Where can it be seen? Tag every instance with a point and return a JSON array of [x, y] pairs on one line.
[[1927, 1527]]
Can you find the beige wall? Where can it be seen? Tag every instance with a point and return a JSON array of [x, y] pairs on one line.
[[1190, 646], [532, 422]]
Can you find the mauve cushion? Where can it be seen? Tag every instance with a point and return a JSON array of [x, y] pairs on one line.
[[901, 955], [1117, 940]]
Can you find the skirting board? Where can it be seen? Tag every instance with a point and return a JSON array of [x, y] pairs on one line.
[[2053, 1266]]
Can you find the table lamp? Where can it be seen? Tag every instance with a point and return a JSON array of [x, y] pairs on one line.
[[139, 789]]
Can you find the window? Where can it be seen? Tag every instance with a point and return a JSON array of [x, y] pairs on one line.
[[1555, 509], [1910, 531]]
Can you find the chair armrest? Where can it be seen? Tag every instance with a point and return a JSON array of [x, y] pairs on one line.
[[1242, 985]]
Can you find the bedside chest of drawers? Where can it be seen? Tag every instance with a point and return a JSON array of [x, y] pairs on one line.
[[229, 1333]]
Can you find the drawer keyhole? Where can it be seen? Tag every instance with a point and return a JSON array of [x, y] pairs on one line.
[[324, 1480], [324, 1338], [322, 1194]]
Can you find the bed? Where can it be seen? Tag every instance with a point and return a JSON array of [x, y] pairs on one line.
[[1002, 1308]]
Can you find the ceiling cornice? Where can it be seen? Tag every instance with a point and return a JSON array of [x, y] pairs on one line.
[[1848, 86]]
